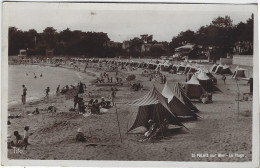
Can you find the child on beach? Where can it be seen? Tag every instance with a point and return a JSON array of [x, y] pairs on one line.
[[80, 136], [26, 137]]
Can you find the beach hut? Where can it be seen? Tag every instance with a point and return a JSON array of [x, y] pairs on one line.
[[180, 93], [226, 70], [193, 89], [176, 105], [153, 106], [239, 73]]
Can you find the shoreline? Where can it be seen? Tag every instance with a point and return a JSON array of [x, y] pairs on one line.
[[33, 99]]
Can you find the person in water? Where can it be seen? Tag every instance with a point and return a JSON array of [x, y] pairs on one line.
[[47, 91], [24, 94]]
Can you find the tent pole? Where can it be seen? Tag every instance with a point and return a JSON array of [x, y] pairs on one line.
[[237, 100], [118, 124]]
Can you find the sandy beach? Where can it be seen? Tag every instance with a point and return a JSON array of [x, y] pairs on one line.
[[219, 130]]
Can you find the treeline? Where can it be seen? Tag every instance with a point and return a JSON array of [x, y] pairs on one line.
[[65, 42], [220, 35]]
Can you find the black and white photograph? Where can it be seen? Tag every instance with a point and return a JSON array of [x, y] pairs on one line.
[[130, 82]]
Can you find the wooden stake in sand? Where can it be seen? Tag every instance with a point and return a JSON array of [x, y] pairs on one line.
[[118, 124], [237, 99]]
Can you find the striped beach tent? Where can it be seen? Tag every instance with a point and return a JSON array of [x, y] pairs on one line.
[[226, 70], [180, 93], [176, 105], [219, 69], [153, 106]]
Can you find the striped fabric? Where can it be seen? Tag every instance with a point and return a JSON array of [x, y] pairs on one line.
[[177, 89], [153, 106], [150, 98]]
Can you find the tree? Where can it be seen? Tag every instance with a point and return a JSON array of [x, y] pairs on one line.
[[135, 46], [50, 37], [223, 22]]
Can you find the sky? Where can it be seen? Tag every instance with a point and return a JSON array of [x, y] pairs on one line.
[[121, 22]]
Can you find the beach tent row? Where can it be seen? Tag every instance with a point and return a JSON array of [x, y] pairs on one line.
[[221, 69], [198, 85], [170, 105]]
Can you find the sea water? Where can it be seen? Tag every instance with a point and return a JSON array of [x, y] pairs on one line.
[[51, 76]]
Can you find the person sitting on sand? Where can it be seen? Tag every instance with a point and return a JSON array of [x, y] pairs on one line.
[[18, 140], [41, 75], [81, 106], [204, 98], [36, 111], [152, 129], [90, 103], [35, 77], [104, 104], [95, 107], [51, 108], [80, 136]]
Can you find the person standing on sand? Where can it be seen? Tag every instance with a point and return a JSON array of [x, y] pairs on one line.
[[58, 89], [164, 79], [24, 94], [113, 95], [26, 137], [81, 88], [76, 100], [224, 79]]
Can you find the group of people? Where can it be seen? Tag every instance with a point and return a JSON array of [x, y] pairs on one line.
[[163, 79], [19, 141], [93, 105], [156, 130], [136, 86], [105, 78]]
